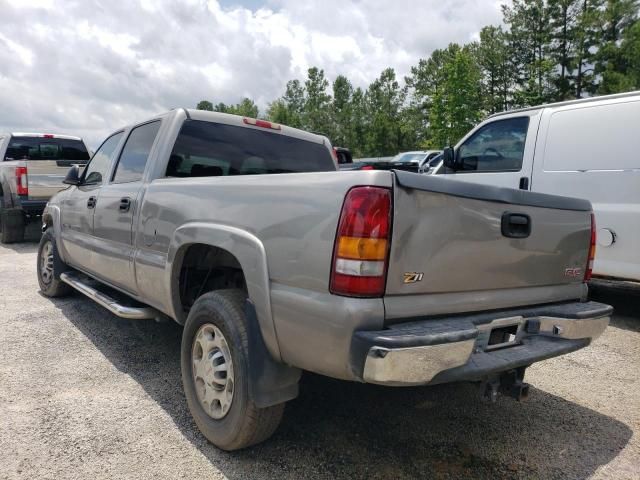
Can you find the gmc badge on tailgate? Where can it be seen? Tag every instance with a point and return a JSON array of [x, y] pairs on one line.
[[575, 272]]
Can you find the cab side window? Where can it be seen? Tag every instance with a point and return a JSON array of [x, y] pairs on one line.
[[496, 147], [101, 161], [135, 153]]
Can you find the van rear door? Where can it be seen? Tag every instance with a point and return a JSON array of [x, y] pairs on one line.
[[48, 159]]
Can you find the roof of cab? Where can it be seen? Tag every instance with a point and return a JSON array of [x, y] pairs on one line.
[[568, 102], [44, 135], [239, 121]]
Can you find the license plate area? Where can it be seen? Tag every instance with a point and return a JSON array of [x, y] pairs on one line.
[[500, 333]]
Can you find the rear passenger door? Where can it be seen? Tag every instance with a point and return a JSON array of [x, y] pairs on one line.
[[117, 206]]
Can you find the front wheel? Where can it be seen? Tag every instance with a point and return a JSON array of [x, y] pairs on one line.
[[214, 361], [50, 266]]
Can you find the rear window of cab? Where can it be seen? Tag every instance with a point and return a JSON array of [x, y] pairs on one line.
[[207, 149], [43, 148]]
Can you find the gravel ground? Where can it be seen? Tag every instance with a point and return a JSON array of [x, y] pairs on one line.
[[84, 394]]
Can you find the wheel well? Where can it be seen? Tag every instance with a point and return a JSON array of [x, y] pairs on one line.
[[204, 268], [47, 220]]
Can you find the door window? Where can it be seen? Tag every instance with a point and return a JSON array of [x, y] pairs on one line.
[[101, 161], [135, 153], [496, 147]]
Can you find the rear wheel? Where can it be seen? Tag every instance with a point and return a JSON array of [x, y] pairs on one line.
[[50, 266], [11, 225], [214, 359]]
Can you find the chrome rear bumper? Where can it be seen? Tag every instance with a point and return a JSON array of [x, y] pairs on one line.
[[443, 350]]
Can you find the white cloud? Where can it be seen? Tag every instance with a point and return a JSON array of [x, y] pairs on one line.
[[90, 67]]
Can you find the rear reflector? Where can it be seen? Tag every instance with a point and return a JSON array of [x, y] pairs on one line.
[[361, 250], [261, 123], [592, 250], [22, 184]]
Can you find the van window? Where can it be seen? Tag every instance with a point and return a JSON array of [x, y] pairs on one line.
[[496, 147], [135, 153], [207, 149], [598, 137]]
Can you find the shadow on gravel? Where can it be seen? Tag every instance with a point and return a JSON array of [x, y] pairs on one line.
[[345, 430], [625, 303]]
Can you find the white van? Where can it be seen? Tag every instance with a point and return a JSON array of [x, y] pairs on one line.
[[587, 148]]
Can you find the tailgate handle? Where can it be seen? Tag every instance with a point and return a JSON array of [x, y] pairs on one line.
[[516, 225]]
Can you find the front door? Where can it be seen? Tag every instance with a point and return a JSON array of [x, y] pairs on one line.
[[79, 206], [117, 206], [500, 152]]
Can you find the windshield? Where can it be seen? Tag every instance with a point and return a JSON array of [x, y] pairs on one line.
[[40, 148], [408, 157]]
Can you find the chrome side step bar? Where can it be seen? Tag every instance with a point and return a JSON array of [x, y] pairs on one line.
[[111, 304]]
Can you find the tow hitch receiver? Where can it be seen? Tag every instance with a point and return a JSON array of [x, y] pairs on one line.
[[507, 383]]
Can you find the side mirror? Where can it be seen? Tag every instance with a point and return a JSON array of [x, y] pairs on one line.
[[73, 176], [449, 158]]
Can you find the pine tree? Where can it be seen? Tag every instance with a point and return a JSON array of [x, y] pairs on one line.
[[493, 59]]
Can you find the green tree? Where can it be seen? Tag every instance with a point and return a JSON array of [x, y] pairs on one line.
[[563, 16], [246, 108], [385, 101], [457, 105], [205, 105], [221, 107], [630, 53], [587, 36], [359, 124], [529, 42], [618, 17], [493, 58], [317, 107], [342, 111]]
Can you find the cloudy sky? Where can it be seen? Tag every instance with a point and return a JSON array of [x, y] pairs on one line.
[[87, 67]]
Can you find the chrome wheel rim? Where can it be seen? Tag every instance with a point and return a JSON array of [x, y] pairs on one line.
[[212, 369], [46, 263]]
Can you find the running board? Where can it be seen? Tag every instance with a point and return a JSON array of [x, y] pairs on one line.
[[133, 313]]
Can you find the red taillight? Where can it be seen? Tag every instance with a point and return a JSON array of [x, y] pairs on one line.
[[261, 123], [22, 186], [47, 135], [367, 167], [592, 250], [361, 250]]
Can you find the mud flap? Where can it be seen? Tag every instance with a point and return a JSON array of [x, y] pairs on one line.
[[270, 382]]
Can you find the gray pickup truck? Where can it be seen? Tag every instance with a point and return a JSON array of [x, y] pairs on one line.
[[32, 167], [244, 232]]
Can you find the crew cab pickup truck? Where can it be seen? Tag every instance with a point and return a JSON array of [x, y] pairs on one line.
[[244, 232], [32, 167]]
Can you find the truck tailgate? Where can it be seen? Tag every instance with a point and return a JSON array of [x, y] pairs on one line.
[[454, 237], [45, 177]]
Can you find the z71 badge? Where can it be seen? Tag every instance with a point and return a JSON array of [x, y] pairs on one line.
[[413, 277]]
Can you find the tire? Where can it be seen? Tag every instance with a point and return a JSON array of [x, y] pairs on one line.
[[11, 225], [50, 266], [243, 424]]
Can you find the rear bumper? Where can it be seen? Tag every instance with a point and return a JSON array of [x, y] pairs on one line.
[[431, 351], [32, 207]]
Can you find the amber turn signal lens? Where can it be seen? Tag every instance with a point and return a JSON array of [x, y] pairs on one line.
[[362, 248]]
